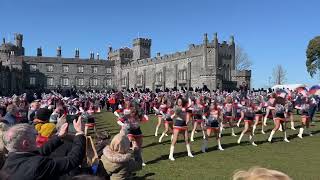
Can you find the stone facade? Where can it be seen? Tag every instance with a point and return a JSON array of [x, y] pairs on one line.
[[211, 63]]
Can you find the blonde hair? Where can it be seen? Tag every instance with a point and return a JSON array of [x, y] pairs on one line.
[[258, 173]]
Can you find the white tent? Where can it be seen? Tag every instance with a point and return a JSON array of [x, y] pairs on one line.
[[288, 86]]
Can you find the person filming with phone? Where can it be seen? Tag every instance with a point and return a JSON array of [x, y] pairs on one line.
[[26, 162]]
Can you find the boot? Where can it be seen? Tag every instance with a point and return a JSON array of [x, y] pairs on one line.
[[239, 140], [262, 130], [300, 133], [191, 138], [292, 126], [285, 136], [156, 133], [265, 121], [232, 132], [238, 123], [280, 128], [171, 153], [254, 129], [252, 141], [162, 135], [189, 150], [271, 135], [204, 135], [204, 145], [219, 145]]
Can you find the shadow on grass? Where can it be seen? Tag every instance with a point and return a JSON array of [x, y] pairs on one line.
[[144, 176]]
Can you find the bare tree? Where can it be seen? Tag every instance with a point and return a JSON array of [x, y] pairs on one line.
[[279, 75], [242, 60]]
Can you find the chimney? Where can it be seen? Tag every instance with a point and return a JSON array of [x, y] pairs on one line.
[[59, 51], [110, 48], [39, 51], [158, 54], [98, 56], [77, 53], [91, 55]]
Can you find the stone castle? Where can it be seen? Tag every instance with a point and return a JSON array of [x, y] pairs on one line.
[[211, 63]]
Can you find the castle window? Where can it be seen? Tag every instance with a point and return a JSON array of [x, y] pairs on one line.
[[65, 81], [33, 67], [94, 69], [94, 82], [108, 70], [50, 68], [124, 81], [182, 75], [80, 82], [80, 69], [65, 68], [159, 77], [32, 81], [108, 82], [50, 81]]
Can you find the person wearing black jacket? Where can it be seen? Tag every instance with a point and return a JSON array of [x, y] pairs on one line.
[[25, 162]]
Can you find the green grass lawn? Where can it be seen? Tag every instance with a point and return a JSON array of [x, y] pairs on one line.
[[300, 159]]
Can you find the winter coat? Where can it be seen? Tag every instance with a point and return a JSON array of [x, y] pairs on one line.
[[38, 165], [120, 166]]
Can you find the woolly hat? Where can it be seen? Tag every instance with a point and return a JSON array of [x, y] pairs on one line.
[[45, 130], [120, 143], [43, 114]]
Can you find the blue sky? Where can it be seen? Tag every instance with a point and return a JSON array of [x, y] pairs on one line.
[[272, 32]]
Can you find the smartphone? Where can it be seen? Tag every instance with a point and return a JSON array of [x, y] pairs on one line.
[[69, 119]]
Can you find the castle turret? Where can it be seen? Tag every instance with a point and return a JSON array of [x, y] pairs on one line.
[[215, 40], [141, 48], [39, 51], [77, 53], [59, 51], [19, 39]]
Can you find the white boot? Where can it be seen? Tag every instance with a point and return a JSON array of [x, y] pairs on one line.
[[219, 145], [285, 137], [166, 134], [191, 138], [204, 145], [271, 135], [262, 130], [238, 123], [204, 135], [232, 132], [189, 150], [239, 140], [254, 129], [171, 153], [300, 133], [265, 121], [292, 126], [162, 135], [280, 128], [156, 133]]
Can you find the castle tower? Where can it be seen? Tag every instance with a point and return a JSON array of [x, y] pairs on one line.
[[141, 48], [19, 44]]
